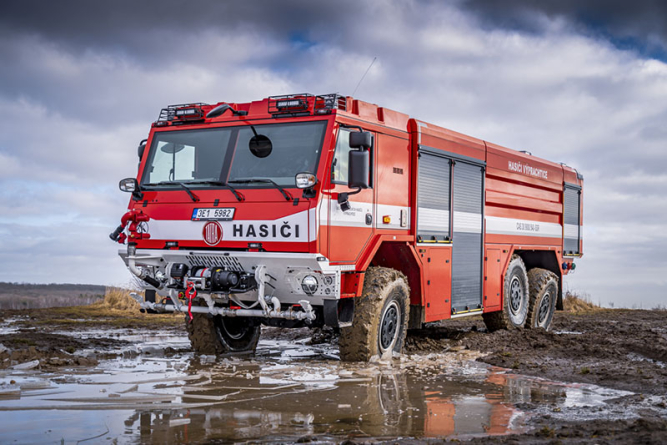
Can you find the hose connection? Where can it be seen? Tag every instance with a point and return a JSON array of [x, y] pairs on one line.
[[137, 230]]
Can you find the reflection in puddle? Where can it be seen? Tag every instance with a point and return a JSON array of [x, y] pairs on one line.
[[288, 391]]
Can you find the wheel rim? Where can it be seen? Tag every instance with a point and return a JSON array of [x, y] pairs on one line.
[[389, 326], [545, 308], [516, 296], [234, 329]]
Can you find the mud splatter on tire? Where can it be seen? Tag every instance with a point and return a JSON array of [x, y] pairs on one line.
[[543, 295], [515, 299], [384, 289], [215, 335]]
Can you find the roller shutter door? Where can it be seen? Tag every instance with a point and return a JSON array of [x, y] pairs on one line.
[[468, 207], [433, 198], [571, 219]]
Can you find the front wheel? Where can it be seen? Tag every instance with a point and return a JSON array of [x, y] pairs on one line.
[[380, 317], [219, 335]]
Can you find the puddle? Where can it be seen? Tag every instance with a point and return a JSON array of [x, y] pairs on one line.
[[287, 391], [8, 326], [640, 358]]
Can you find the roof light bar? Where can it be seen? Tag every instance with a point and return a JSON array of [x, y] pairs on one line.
[[292, 103], [187, 112], [304, 104], [182, 112]]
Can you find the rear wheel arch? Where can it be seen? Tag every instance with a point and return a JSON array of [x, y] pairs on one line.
[[544, 259]]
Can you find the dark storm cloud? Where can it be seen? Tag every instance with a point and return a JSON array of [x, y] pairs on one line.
[[639, 25], [155, 26]]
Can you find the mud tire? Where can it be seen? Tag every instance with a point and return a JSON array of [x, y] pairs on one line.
[[385, 302], [515, 299], [218, 335], [543, 286]]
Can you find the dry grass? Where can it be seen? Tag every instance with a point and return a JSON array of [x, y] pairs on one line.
[[576, 303], [117, 309], [119, 299]]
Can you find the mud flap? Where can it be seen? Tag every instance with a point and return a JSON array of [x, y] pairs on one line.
[[149, 295], [416, 320], [339, 313]]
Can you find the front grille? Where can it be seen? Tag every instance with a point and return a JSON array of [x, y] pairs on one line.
[[226, 262]]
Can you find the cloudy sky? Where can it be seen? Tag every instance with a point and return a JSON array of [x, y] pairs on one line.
[[583, 83]]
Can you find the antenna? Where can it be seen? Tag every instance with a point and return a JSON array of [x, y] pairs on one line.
[[362, 77]]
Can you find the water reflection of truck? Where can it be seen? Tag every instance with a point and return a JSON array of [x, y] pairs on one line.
[[309, 210], [387, 405]]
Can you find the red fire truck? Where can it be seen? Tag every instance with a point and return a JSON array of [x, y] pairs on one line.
[[306, 210]]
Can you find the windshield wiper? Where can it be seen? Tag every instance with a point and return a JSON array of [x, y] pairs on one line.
[[285, 193], [239, 197], [194, 197]]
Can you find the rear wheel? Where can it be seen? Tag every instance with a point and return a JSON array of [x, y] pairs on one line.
[[218, 335], [380, 317], [515, 299], [543, 295]]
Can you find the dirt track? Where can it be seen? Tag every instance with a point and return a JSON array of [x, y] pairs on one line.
[[619, 349]]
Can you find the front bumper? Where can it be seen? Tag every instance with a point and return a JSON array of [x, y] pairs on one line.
[[284, 271]]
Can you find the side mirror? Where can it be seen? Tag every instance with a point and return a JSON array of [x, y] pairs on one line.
[[130, 185], [141, 148], [305, 180], [361, 139], [359, 167]]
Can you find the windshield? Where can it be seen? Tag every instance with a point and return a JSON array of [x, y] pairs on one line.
[[224, 154]]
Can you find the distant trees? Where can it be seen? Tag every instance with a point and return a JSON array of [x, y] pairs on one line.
[[34, 296]]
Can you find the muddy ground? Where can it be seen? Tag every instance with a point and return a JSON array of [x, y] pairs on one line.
[[620, 349], [623, 350]]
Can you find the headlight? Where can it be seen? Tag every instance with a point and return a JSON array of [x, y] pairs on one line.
[[309, 284]]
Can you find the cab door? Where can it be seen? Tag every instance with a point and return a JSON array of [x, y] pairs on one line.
[[349, 230]]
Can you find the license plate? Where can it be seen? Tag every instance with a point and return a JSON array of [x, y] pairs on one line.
[[214, 214]]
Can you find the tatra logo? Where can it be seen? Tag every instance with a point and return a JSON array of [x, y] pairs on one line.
[[212, 233], [286, 230], [142, 227]]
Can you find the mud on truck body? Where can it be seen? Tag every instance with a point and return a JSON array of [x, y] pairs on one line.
[[306, 210]]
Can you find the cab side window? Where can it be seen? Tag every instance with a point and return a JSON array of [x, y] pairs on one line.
[[339, 167]]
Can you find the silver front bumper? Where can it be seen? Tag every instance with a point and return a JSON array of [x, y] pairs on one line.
[[284, 271]]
